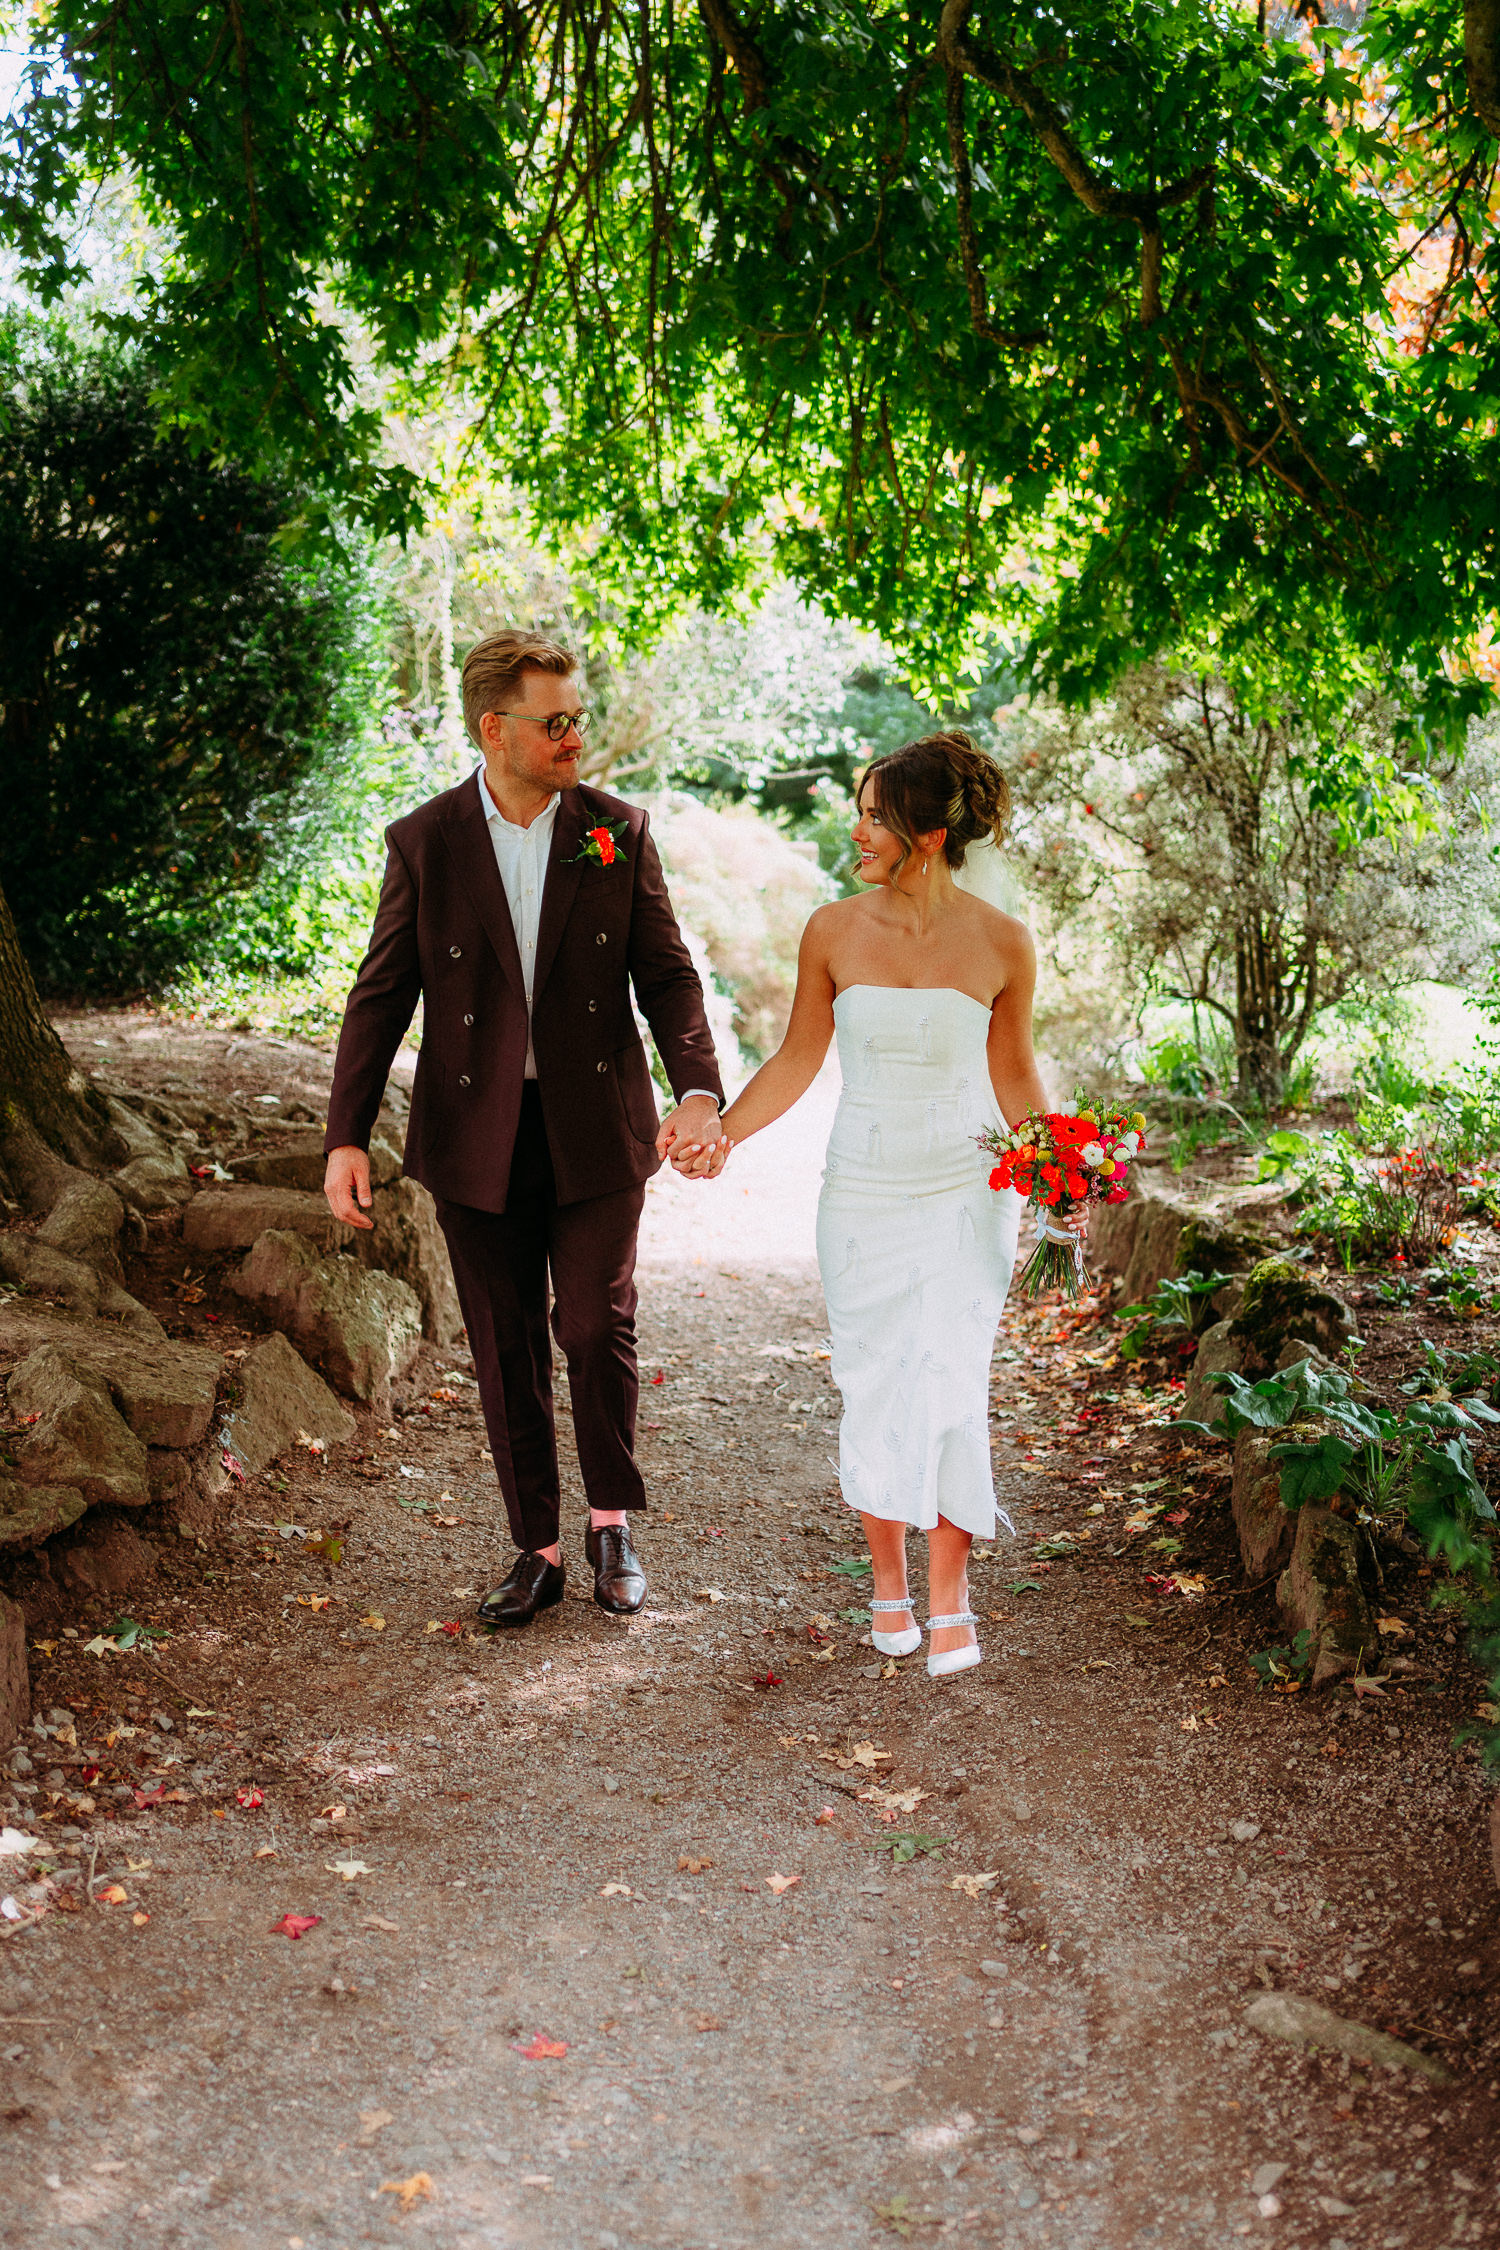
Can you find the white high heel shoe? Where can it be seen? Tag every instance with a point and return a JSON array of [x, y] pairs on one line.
[[896, 1644], [941, 1662]]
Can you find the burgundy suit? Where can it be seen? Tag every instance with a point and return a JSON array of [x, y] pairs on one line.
[[531, 1175]]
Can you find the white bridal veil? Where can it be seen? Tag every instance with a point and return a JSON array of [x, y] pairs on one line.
[[985, 875]]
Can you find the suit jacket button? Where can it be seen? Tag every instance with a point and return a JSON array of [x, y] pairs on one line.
[[601, 1066], [593, 1007], [463, 1081], [602, 938], [468, 1019], [456, 951]]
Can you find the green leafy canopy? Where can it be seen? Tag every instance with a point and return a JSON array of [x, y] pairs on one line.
[[1072, 323]]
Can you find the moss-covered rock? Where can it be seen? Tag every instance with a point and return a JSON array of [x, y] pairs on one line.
[[1320, 1589], [1280, 1302], [1208, 1244]]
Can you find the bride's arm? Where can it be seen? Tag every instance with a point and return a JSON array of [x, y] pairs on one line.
[[1013, 1072], [785, 1078]]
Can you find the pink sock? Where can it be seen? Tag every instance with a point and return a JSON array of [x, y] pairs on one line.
[[607, 1519]]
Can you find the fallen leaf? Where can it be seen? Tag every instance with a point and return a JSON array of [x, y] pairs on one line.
[[823, 1818], [376, 1624], [973, 1885], [310, 1444], [371, 2121], [145, 1798], [249, 1800], [113, 1894], [780, 1883], [539, 2048], [408, 2190], [348, 1868], [708, 2023], [617, 1890], [334, 1812], [379, 1922], [14, 1843], [709, 1594], [266, 1851], [313, 1601], [767, 1679], [295, 1925], [140, 1920], [686, 1866], [1396, 1626]]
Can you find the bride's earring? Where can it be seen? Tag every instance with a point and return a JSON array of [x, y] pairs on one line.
[[924, 867]]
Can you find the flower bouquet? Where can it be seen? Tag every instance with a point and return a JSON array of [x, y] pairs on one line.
[[1061, 1161]]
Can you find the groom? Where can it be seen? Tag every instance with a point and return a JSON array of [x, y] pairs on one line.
[[521, 907]]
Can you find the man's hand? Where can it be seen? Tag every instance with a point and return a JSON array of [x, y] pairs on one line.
[[348, 1177], [691, 1128]]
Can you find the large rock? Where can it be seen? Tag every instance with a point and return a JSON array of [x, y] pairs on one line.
[[408, 1242], [32, 1513], [85, 1223], [164, 1390], [15, 1680], [1152, 1235], [276, 1398], [1267, 1532], [1320, 1590], [76, 1436], [1218, 1352], [1281, 1303], [234, 1218], [105, 1560], [300, 1163], [362, 1327]]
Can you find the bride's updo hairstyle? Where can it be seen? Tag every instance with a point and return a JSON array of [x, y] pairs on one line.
[[943, 781]]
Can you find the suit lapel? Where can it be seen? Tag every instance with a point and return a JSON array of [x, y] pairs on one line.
[[563, 870], [466, 833]]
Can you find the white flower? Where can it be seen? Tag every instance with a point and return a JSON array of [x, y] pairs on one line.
[[1127, 1144], [1093, 1155]]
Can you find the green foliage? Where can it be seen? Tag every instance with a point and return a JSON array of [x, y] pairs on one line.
[[882, 293], [180, 695], [1291, 1665], [1180, 1301], [1415, 1459], [907, 1844]]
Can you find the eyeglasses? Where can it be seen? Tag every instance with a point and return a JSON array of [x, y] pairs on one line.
[[559, 723]]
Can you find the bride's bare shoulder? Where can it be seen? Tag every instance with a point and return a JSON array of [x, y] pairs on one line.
[[1004, 931]]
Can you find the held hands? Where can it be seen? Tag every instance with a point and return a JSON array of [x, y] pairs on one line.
[[692, 1139], [346, 1183]]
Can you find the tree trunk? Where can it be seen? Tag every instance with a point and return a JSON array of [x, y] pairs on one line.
[[1482, 60], [51, 1119]]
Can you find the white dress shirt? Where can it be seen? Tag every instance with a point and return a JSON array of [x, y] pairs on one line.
[[521, 854]]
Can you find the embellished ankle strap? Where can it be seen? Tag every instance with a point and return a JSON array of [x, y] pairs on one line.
[[940, 1624], [905, 1604]]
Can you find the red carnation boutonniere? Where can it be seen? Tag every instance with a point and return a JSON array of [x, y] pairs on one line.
[[601, 846]]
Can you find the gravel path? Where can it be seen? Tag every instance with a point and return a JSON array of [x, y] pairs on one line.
[[615, 1946]]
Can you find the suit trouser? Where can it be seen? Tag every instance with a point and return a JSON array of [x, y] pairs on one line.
[[501, 1262]]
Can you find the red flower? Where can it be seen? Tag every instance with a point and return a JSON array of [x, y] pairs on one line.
[[602, 838], [1001, 1176], [1072, 1132], [1118, 1192]]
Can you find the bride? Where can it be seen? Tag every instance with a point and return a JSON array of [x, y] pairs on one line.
[[928, 989]]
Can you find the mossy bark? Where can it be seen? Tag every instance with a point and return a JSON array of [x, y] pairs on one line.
[[52, 1121]]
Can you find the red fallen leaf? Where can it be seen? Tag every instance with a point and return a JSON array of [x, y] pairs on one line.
[[539, 2048], [1180, 1516], [213, 1316], [817, 1636], [767, 1679], [454, 1628], [201, 1171], [231, 1464], [28, 1419], [89, 1776], [660, 1376], [249, 1800], [295, 1925], [156, 1796]]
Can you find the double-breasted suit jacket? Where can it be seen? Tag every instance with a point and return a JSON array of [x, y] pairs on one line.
[[443, 931]]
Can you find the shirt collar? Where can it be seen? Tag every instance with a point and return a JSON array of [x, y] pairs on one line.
[[540, 827]]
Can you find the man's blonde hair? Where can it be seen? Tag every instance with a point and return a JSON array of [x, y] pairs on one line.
[[493, 669]]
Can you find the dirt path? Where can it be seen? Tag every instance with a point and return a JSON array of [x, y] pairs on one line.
[[659, 1845]]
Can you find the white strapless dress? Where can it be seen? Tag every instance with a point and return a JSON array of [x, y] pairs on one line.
[[915, 1250]]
